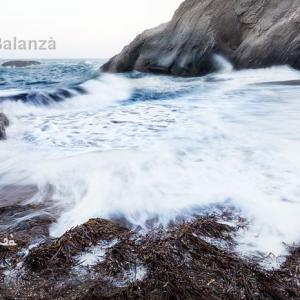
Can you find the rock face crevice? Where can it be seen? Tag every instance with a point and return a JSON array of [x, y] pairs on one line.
[[249, 33]]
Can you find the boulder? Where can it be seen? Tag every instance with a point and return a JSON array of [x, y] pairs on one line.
[[20, 63], [4, 122], [248, 33]]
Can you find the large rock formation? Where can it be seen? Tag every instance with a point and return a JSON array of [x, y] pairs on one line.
[[20, 63], [3, 124], [249, 33]]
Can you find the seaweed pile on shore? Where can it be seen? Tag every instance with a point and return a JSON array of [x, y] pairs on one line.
[[190, 260]]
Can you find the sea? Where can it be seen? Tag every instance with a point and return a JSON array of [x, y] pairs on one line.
[[156, 148]]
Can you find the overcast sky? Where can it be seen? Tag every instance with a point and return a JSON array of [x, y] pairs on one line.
[[81, 28]]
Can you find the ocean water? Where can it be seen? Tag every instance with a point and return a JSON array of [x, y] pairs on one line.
[[148, 147]]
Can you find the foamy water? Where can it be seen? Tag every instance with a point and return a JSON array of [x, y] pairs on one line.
[[156, 147]]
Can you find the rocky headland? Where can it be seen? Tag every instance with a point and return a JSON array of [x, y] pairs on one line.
[[248, 33]]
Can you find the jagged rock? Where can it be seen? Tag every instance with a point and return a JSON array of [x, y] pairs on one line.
[[20, 63], [4, 122], [249, 33]]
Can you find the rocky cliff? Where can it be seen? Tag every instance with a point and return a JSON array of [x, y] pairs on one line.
[[249, 33]]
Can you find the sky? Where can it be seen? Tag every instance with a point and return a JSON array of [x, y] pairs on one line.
[[80, 28]]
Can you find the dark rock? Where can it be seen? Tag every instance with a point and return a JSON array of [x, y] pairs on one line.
[[20, 63], [249, 33], [4, 122], [286, 82]]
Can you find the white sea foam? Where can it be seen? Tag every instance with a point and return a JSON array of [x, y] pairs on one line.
[[222, 64], [95, 254], [222, 140]]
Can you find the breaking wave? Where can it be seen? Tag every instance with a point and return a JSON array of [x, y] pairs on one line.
[[145, 147]]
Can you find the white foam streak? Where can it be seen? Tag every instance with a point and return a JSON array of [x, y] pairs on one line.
[[222, 64]]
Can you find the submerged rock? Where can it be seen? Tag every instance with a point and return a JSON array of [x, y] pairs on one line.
[[249, 33], [4, 122], [20, 63]]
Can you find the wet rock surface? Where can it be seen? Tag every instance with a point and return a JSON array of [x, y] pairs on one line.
[[249, 33], [188, 260], [4, 122], [20, 63]]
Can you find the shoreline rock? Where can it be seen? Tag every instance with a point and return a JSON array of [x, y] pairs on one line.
[[249, 33], [4, 122], [20, 63]]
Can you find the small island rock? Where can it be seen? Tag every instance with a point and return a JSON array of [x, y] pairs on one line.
[[20, 63]]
